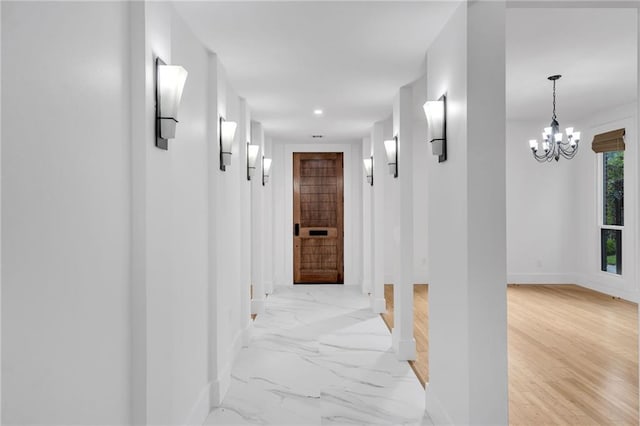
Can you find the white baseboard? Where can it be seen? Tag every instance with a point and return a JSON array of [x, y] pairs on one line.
[[405, 349], [378, 305], [257, 306], [220, 387], [200, 410], [246, 334], [434, 408], [631, 296], [541, 278], [578, 279]]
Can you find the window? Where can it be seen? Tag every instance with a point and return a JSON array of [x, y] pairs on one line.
[[612, 211]]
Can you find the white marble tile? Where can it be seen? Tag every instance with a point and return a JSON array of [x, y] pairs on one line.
[[319, 356]]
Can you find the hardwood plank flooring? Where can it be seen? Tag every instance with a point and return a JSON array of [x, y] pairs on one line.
[[573, 354], [421, 327]]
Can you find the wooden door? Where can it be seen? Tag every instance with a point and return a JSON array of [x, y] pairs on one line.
[[318, 218]]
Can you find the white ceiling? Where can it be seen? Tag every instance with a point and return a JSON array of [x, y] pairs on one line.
[[593, 49], [350, 59]]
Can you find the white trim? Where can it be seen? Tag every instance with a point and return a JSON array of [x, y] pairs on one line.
[[434, 408], [378, 305], [350, 275], [541, 278], [581, 280], [247, 333], [631, 296], [200, 409], [257, 306], [405, 349], [220, 387]]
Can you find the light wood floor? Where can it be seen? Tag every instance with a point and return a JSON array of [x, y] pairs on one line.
[[421, 327], [573, 355]]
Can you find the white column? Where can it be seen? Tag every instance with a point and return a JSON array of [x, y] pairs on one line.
[[245, 226], [378, 302], [638, 150], [215, 290], [467, 215], [257, 221], [367, 227], [267, 211], [403, 342]]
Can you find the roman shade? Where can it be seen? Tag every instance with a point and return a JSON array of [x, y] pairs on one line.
[[609, 141]]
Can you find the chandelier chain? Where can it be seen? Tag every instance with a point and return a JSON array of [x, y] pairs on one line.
[[554, 117]]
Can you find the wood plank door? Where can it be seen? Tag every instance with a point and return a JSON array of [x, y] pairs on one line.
[[318, 221]]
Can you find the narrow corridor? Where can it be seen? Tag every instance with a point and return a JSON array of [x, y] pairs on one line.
[[320, 356]]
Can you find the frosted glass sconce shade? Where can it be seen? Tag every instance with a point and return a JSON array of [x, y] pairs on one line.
[[170, 80], [252, 156], [368, 169], [436, 113], [227, 134], [266, 169], [391, 148]]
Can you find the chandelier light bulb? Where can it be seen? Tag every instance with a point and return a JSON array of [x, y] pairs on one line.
[[574, 139], [533, 144]]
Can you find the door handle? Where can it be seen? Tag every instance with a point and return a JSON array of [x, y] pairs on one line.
[[296, 229]]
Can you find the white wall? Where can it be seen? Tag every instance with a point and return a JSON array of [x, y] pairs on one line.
[[187, 216], [121, 272], [188, 192], [281, 201], [421, 154], [269, 220], [367, 226], [170, 222], [541, 211], [66, 202]]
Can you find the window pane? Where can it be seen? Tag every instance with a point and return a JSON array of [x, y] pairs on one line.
[[613, 188], [611, 250]]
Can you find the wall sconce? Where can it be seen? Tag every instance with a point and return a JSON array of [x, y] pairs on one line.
[[436, 112], [252, 156], [266, 169], [391, 147], [227, 133], [368, 169], [170, 81]]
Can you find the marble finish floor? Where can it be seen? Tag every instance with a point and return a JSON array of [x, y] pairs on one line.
[[319, 356]]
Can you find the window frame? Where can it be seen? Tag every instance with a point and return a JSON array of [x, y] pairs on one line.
[[600, 218]]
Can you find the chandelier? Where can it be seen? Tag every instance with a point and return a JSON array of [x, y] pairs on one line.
[[552, 144]]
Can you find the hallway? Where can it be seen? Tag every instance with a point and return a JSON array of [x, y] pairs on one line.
[[320, 356]]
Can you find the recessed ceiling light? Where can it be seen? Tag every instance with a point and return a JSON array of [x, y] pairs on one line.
[[318, 112], [316, 136]]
